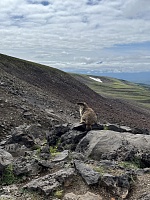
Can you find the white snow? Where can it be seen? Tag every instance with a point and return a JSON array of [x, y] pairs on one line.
[[96, 79]]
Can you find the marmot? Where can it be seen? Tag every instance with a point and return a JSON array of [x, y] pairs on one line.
[[87, 115]]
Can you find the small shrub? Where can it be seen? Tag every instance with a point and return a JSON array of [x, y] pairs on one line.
[[8, 176]]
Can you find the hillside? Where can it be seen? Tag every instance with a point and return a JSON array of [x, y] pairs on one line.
[[117, 88], [34, 89], [45, 153]]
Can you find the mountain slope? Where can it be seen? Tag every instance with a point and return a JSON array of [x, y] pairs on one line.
[[30, 92], [117, 88]]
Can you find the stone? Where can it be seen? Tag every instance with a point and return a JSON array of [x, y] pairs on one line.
[[118, 185], [89, 175], [61, 156], [7, 197], [16, 149], [54, 135], [51, 182], [21, 136], [45, 152], [77, 156], [140, 131], [70, 139], [5, 159], [145, 196], [24, 166], [78, 127], [116, 128], [86, 196]]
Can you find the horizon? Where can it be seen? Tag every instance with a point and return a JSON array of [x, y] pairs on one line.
[[102, 35]]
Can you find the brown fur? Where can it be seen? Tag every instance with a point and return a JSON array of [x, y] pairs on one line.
[[87, 115]]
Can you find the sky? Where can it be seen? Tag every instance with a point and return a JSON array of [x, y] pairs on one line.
[[74, 35]]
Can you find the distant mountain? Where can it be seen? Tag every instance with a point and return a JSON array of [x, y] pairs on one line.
[[137, 77], [117, 88], [140, 77]]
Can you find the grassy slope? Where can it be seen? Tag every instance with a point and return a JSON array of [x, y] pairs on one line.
[[118, 89]]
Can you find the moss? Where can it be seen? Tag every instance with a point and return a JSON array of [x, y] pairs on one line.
[[129, 165], [99, 169], [58, 194]]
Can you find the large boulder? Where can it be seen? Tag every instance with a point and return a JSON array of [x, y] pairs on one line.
[[108, 144]]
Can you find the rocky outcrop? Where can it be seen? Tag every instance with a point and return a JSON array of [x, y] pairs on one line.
[[51, 182], [70, 157]]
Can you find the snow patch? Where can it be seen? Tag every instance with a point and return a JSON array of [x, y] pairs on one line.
[[96, 79]]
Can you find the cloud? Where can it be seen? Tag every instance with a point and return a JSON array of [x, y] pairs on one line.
[[77, 34]]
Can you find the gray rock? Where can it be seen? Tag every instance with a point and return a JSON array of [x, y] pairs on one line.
[[7, 197], [86, 196], [21, 136], [51, 182], [140, 131], [118, 185], [61, 156], [16, 149], [54, 135], [70, 139], [5, 159], [82, 127], [145, 196], [78, 127], [109, 145], [89, 175], [77, 156], [45, 152], [23, 166], [114, 127]]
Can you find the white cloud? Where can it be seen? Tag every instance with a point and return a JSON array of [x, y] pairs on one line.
[[75, 33]]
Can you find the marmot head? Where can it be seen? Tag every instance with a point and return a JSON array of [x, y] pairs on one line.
[[82, 104]]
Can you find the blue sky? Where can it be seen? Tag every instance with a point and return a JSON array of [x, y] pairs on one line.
[[101, 35]]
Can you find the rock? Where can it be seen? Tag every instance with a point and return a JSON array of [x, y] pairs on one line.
[[45, 152], [51, 182], [24, 166], [118, 185], [16, 149], [87, 196], [5, 159], [27, 115], [89, 175], [78, 127], [82, 127], [77, 156], [21, 136], [145, 196], [61, 156], [7, 197], [54, 135], [110, 145], [70, 139], [116, 128], [140, 131]]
